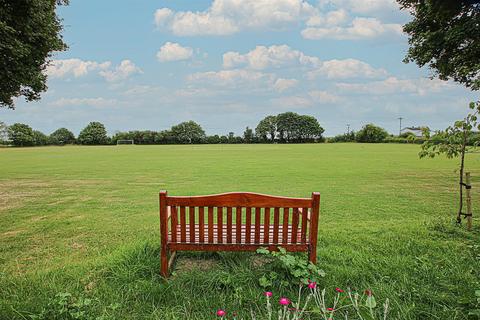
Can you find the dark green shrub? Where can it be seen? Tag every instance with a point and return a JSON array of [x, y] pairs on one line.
[[371, 133]]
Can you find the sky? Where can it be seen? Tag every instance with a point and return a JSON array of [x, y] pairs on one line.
[[226, 64]]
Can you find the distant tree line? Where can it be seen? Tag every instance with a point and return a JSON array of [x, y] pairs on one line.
[[288, 127], [371, 133]]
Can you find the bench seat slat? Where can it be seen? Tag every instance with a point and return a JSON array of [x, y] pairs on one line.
[[243, 228], [234, 247]]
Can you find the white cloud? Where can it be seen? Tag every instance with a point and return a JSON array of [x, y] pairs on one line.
[[230, 16], [364, 6], [332, 18], [361, 28], [93, 102], [323, 97], [264, 57], [121, 72], [393, 85], [283, 84], [162, 16], [174, 52], [277, 56], [235, 77], [78, 68], [347, 68], [75, 67]]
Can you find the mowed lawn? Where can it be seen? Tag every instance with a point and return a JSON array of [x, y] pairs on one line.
[[84, 220]]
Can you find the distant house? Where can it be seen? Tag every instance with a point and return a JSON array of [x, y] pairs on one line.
[[417, 131]]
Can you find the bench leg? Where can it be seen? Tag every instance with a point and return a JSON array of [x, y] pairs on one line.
[[164, 262], [312, 254]]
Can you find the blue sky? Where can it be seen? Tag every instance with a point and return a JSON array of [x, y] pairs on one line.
[[228, 63]]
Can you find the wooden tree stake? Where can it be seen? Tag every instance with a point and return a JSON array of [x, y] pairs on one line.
[[469, 200]]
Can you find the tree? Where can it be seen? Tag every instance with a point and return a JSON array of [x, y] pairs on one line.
[[346, 137], [188, 132], [30, 32], [445, 35], [308, 129], [454, 142], [21, 135], [3, 133], [248, 135], [371, 133], [231, 137], [267, 128], [213, 139], [93, 134], [62, 136], [293, 127], [39, 138]]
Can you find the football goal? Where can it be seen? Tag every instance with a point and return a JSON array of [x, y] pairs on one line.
[[125, 142]]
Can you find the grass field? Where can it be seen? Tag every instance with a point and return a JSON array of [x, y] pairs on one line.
[[84, 220]]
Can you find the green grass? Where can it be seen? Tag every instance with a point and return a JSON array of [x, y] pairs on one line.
[[84, 220]]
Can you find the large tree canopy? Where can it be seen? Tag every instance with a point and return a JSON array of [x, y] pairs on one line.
[[188, 132], [21, 135], [29, 33], [445, 35], [94, 133], [267, 128], [62, 136]]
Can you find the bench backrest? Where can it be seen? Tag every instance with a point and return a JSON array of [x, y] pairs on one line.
[[239, 218]]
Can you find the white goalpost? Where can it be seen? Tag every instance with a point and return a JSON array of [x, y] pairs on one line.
[[125, 142]]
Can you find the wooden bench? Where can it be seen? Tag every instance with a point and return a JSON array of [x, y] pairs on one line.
[[247, 221]]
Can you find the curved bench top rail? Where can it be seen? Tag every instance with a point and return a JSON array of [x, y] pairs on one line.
[[239, 199]]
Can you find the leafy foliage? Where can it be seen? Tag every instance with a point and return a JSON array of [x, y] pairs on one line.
[[21, 135], [267, 128], [453, 142], [371, 133], [65, 307], [3, 133], [39, 138], [248, 135], [289, 127], [445, 35], [93, 134], [62, 136], [188, 132], [288, 267], [30, 32], [346, 137]]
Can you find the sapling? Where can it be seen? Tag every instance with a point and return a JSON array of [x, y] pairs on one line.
[[453, 142]]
